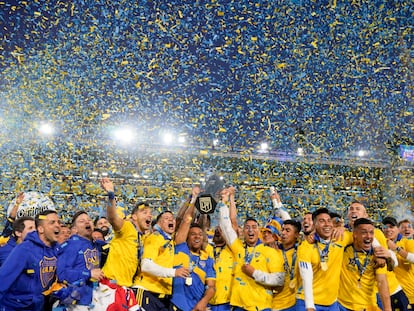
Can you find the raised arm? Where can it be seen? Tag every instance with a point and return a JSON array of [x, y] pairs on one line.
[[233, 208], [8, 227], [114, 219], [188, 215], [19, 200], [277, 204], [226, 226]]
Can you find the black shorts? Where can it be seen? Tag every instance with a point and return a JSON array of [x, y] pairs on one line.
[[152, 301]]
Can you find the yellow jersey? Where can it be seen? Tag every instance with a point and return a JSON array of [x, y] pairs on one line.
[[224, 266], [245, 292], [358, 279], [287, 297], [161, 251], [122, 262], [405, 270], [326, 274]]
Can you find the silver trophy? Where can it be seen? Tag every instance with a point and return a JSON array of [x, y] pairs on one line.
[[206, 202]]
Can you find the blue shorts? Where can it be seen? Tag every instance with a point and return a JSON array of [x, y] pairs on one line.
[[220, 307], [300, 306]]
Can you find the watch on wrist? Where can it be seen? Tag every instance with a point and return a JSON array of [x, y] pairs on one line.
[[398, 249]]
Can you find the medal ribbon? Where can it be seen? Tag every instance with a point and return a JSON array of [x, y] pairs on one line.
[[361, 270], [324, 252], [291, 269], [217, 251], [399, 237], [248, 256]]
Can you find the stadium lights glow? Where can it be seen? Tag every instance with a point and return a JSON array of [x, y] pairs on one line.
[[46, 129], [124, 135], [300, 151], [264, 147], [362, 153], [168, 138], [181, 139]]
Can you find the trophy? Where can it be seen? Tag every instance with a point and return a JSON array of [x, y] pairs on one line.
[[206, 202]]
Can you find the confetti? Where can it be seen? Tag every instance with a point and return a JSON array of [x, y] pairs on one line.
[[239, 72]]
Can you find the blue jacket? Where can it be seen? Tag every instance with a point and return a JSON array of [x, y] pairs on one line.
[[28, 271], [6, 249], [77, 257]]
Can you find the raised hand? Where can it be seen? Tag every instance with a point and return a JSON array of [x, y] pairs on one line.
[[107, 184]]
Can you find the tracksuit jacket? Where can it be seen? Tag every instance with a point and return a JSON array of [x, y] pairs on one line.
[[28, 271]]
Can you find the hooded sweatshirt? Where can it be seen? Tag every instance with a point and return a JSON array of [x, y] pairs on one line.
[[6, 249], [77, 257], [28, 271]]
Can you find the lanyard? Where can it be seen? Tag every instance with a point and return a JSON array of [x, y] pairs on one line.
[[217, 251], [140, 251], [291, 269], [165, 236], [399, 237], [323, 254], [140, 246], [249, 256], [361, 269]]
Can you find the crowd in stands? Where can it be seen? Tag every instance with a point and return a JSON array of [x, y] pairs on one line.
[[177, 261]]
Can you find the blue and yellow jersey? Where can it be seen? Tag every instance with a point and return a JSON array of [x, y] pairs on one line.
[[287, 297], [160, 250], [357, 284], [245, 292], [224, 266], [77, 257], [325, 276], [185, 297]]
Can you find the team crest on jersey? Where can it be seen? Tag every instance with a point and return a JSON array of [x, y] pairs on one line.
[[91, 258], [351, 266], [47, 270]]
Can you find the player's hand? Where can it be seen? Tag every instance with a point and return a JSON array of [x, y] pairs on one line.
[[97, 274], [248, 269], [20, 198], [182, 272], [107, 184]]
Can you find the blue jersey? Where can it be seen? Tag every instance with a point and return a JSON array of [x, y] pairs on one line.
[[185, 297], [6, 249], [77, 257], [28, 271]]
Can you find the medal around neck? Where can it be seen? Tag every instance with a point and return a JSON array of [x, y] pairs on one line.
[[189, 281]]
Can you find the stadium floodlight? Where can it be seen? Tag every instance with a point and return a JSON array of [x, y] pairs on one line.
[[46, 129], [124, 135]]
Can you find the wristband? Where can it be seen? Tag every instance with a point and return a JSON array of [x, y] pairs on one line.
[[111, 195]]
